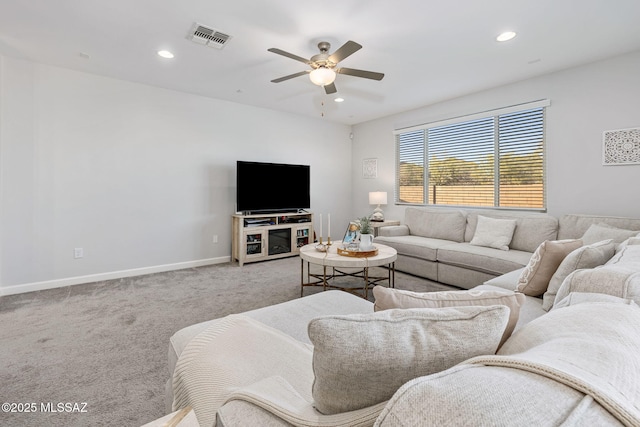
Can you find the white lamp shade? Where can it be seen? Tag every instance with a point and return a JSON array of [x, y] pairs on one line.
[[322, 76], [378, 198]]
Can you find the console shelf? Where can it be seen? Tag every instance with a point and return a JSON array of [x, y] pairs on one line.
[[270, 236]]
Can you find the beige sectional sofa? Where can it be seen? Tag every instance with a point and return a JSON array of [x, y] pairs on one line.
[[436, 358], [438, 244]]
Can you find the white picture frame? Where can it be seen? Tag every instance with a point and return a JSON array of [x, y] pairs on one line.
[[370, 168], [352, 234], [621, 147]]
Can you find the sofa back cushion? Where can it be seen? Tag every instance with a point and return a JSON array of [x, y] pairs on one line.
[[443, 224], [574, 226], [531, 229], [601, 231]]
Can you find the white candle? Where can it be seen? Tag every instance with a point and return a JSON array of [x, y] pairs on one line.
[[320, 227], [328, 226]]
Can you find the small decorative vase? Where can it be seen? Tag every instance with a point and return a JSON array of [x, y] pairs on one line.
[[366, 242]]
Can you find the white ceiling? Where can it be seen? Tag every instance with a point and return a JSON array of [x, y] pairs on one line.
[[429, 50]]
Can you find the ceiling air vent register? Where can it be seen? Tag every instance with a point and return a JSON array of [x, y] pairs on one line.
[[208, 36]]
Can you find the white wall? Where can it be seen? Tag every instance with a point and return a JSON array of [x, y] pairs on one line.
[[585, 101], [137, 176]]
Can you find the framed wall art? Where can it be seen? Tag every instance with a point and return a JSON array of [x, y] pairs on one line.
[[370, 168], [621, 147]]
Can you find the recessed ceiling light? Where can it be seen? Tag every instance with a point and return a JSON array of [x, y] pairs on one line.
[[165, 54], [507, 35], [339, 100]]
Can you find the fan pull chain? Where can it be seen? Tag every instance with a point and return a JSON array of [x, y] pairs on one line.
[[322, 109]]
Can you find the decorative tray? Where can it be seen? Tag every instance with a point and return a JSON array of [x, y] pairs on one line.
[[358, 253]]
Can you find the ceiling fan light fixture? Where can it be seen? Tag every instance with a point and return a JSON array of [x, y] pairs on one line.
[[322, 76]]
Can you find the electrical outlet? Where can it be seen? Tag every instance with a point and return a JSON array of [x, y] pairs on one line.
[[78, 253], [215, 238]]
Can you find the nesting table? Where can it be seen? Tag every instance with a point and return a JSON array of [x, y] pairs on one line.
[[334, 265]]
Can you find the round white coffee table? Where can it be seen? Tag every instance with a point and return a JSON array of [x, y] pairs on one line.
[[386, 256]]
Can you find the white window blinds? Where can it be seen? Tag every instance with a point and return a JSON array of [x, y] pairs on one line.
[[489, 160]]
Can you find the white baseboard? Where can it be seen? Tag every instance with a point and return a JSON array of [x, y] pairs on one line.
[[70, 281]]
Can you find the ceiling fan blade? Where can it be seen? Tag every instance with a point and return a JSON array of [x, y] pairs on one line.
[[290, 76], [330, 88], [345, 50], [289, 55], [360, 73]]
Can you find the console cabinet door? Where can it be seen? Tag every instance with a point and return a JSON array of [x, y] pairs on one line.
[[254, 243]]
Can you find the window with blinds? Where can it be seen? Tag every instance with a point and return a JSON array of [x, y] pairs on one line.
[[495, 159]]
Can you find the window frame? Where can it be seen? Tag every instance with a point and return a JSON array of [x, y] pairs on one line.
[[495, 115]]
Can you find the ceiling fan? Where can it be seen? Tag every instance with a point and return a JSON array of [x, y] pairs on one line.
[[323, 65]]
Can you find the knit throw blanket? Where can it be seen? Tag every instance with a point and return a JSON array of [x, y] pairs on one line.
[[235, 352], [593, 348], [239, 358]]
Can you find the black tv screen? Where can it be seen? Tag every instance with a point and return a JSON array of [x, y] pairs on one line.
[[272, 187]]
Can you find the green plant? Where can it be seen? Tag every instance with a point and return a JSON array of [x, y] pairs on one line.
[[365, 226]]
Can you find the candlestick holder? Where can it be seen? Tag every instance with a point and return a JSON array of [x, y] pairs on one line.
[[323, 247]]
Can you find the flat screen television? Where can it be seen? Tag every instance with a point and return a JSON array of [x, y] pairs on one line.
[[272, 187]]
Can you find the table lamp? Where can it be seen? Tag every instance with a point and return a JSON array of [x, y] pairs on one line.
[[377, 198]]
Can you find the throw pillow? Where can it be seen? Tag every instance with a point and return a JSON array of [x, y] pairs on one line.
[[582, 297], [588, 256], [619, 281], [360, 360], [493, 232], [388, 298], [627, 255], [535, 277], [598, 232], [631, 241]]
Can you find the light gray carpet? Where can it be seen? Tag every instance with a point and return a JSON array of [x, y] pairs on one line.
[[105, 344]]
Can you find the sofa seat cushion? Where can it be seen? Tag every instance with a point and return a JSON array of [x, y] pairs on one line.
[[414, 246], [531, 308], [508, 281], [480, 258]]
